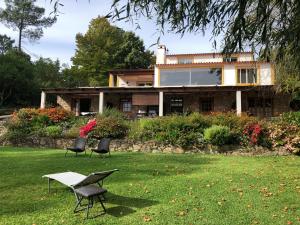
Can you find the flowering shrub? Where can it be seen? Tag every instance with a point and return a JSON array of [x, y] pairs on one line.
[[285, 135], [252, 133], [55, 115], [87, 128]]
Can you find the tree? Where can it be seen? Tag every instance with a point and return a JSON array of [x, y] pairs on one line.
[[17, 84], [105, 47], [25, 17], [47, 73], [260, 24], [5, 44]]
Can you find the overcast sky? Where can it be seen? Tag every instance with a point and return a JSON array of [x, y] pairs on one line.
[[58, 41]]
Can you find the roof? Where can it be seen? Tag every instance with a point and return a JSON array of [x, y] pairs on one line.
[[137, 89], [214, 63], [132, 71], [211, 54]]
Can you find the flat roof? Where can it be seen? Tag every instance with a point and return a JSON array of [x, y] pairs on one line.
[[211, 54], [213, 63], [174, 89]]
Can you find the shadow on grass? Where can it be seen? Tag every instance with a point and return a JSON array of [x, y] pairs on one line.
[[120, 211], [125, 204]]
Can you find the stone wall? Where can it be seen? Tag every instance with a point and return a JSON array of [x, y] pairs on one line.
[[124, 145]]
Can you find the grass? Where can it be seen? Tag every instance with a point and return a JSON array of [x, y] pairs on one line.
[[153, 188]]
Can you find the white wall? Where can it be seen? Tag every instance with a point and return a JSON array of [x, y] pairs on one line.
[[156, 81], [207, 58], [229, 75], [265, 74], [245, 57], [171, 60]]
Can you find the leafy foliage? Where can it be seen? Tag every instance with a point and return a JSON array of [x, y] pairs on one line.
[[217, 135], [6, 44], [53, 131], [110, 124], [16, 73], [25, 17], [105, 47], [262, 24]]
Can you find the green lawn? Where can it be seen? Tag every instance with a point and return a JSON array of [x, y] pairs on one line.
[[153, 189]]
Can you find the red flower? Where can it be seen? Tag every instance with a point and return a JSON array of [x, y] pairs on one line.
[[87, 128]]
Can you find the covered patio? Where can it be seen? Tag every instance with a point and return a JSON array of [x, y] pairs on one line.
[[260, 101]]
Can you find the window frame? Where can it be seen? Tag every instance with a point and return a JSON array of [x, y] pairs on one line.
[[126, 108], [238, 75], [180, 99]]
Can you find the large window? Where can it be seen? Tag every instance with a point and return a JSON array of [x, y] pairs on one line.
[[205, 76], [174, 77], [247, 76], [199, 76]]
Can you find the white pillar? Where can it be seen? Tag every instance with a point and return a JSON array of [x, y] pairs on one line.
[[161, 103], [101, 102], [77, 107], [43, 100], [238, 103]]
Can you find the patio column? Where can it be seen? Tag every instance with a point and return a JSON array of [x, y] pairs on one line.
[[101, 102], [239, 103], [161, 103], [77, 107], [43, 100]]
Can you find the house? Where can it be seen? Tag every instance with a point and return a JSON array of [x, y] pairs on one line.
[[182, 83]]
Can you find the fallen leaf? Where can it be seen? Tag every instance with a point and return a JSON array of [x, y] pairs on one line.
[[147, 219]]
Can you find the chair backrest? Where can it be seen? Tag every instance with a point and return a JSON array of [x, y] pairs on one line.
[[80, 143], [94, 178], [104, 145]]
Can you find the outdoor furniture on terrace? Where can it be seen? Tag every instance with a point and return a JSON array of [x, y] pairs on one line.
[[79, 146], [103, 147], [83, 186]]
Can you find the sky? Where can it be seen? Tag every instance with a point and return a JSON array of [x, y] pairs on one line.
[[58, 41]]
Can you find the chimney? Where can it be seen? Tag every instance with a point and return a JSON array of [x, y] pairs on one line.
[[161, 54]]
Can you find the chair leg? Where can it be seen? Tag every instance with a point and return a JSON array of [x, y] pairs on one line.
[[66, 153], [101, 203], [90, 205], [78, 204]]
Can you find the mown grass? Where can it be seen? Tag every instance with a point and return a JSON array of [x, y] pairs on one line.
[[153, 188]]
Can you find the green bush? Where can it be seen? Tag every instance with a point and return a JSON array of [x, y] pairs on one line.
[[73, 132], [291, 118], [53, 131], [177, 130], [217, 135], [110, 125]]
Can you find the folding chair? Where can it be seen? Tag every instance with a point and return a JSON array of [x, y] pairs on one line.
[[83, 186]]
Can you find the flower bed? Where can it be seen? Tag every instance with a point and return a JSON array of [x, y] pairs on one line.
[[195, 132]]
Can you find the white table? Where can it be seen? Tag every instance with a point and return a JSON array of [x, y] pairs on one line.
[[67, 178]]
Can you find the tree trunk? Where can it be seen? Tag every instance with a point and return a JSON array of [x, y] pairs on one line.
[[20, 34], [20, 39]]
